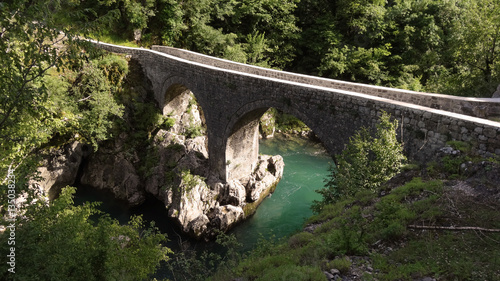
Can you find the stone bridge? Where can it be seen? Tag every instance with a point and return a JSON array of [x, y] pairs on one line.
[[234, 96]]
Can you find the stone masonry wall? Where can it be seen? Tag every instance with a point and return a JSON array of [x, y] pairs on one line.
[[478, 107], [231, 100]]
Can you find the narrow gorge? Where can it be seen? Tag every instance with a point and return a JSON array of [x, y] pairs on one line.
[[166, 159]]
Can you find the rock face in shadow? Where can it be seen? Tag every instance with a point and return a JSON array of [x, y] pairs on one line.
[[172, 165], [114, 172], [60, 168]]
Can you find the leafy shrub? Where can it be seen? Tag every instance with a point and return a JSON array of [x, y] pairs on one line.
[[168, 122], [193, 131], [293, 272], [366, 163], [114, 67], [85, 243], [460, 145], [255, 268], [349, 235], [342, 264], [94, 105], [300, 239], [189, 180], [451, 164], [177, 147]]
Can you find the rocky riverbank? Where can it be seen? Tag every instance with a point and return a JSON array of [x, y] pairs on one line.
[[163, 154]]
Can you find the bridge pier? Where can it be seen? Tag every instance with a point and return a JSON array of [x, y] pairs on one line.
[[242, 146]]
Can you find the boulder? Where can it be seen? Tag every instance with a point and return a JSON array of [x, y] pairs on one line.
[[276, 165], [199, 226], [194, 162], [190, 204], [269, 171], [234, 193], [165, 138], [226, 216], [198, 144], [261, 170]]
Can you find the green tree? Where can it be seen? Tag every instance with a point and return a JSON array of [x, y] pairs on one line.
[[168, 24], [39, 99], [66, 242], [129, 17], [29, 47], [357, 64], [365, 163], [259, 32], [474, 51], [274, 21], [95, 104]]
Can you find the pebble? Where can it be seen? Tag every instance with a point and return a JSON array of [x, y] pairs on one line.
[[334, 271]]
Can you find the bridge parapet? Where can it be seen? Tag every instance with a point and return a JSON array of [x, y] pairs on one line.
[[476, 107], [233, 101]]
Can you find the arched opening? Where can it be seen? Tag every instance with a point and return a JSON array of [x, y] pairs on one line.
[[180, 146], [306, 163], [181, 105], [242, 147]]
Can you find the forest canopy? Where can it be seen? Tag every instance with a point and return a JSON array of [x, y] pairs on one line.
[[55, 89], [444, 46]]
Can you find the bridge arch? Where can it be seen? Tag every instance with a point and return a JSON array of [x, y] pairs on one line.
[[181, 103], [175, 99], [242, 136], [222, 87], [172, 88]]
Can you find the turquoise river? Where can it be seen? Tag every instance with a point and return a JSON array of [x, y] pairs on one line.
[[279, 215], [283, 213]]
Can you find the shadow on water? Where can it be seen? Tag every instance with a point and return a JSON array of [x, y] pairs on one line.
[[280, 215], [151, 210], [283, 213]]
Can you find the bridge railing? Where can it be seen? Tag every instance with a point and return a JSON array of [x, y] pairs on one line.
[[477, 107]]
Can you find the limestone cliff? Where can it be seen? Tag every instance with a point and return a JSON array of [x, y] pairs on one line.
[[196, 199], [59, 167], [173, 169]]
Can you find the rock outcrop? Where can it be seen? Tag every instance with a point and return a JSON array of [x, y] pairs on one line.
[[173, 168], [116, 173], [60, 167], [267, 125], [179, 180]]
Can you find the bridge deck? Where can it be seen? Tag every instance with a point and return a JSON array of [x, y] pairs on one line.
[[232, 93], [476, 107]]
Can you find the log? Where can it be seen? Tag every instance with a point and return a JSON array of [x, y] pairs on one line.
[[454, 228]]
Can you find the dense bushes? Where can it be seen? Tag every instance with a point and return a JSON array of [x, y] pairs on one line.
[[443, 46], [365, 164], [61, 241]]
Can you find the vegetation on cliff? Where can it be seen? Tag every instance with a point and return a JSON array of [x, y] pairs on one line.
[[55, 90], [437, 221]]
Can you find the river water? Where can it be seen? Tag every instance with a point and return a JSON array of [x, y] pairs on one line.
[[280, 215], [283, 213]]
